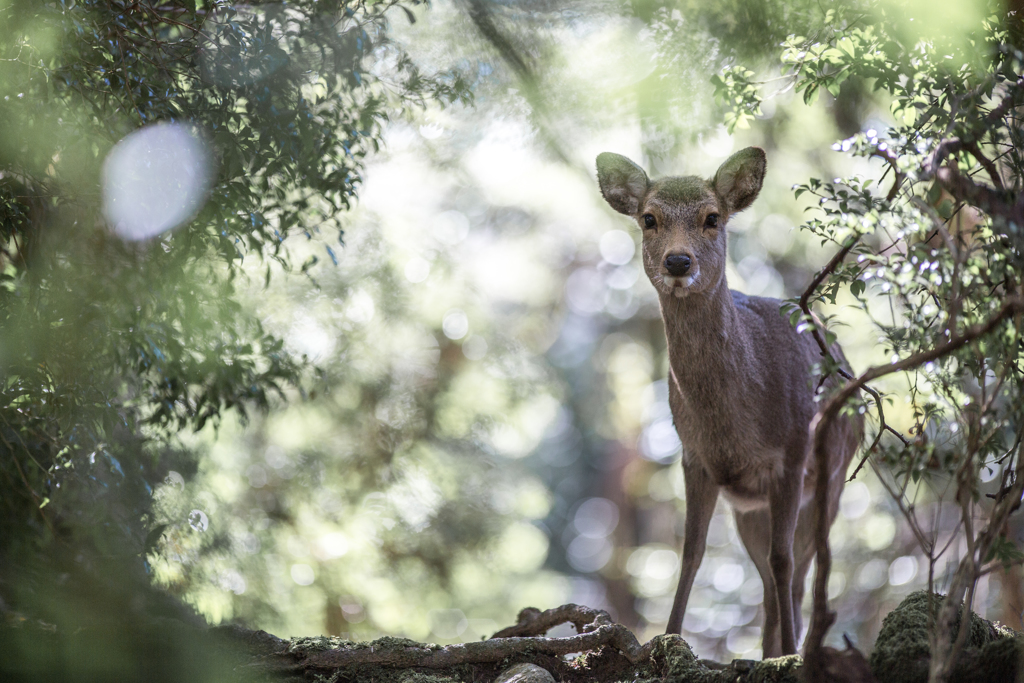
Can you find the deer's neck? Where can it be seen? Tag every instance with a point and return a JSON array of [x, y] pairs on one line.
[[702, 334]]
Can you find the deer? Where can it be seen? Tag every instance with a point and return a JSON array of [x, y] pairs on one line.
[[740, 382]]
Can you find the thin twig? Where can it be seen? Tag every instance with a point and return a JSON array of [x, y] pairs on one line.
[[898, 175], [986, 163], [820, 277]]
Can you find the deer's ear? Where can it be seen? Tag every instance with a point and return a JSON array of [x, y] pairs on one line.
[[739, 179], [622, 182]]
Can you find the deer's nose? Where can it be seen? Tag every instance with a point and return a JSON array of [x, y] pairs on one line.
[[677, 264]]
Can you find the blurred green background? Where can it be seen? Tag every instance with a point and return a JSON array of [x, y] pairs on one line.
[[477, 417]]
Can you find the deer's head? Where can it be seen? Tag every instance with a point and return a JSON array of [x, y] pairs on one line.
[[683, 219]]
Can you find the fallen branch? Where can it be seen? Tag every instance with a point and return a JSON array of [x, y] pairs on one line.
[[533, 622], [597, 630]]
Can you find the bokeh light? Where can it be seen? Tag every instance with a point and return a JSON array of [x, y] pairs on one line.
[[155, 179]]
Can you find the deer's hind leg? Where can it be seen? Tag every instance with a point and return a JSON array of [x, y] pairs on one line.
[[804, 548], [803, 553], [754, 528]]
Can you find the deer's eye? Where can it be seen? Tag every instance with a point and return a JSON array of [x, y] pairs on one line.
[[650, 221], [711, 221]]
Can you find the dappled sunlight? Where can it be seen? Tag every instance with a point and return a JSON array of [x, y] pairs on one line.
[[476, 260]]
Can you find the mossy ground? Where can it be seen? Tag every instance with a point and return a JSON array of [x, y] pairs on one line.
[[672, 661], [900, 655], [991, 655]]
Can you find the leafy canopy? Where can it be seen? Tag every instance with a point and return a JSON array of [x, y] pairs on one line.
[[110, 347]]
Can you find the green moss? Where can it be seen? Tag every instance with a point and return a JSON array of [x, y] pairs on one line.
[[673, 657], [901, 653], [901, 650], [392, 643], [995, 661], [672, 661], [418, 677], [777, 670], [319, 644]]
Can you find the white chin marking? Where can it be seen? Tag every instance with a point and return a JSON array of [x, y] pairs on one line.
[[680, 286]]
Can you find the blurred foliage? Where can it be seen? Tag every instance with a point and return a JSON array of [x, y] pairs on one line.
[[111, 349], [388, 504]]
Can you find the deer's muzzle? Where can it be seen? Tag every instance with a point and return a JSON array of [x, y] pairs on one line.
[[677, 265]]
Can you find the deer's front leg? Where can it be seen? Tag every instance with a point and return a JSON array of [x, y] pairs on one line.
[[701, 495], [784, 510]]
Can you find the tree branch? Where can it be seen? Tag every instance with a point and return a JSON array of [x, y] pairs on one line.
[[596, 630], [533, 622], [994, 201], [481, 15], [828, 269], [943, 652], [822, 618], [986, 163]]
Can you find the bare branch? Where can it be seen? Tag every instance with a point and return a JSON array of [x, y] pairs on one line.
[[897, 495], [822, 274], [822, 619], [533, 622], [597, 631], [967, 572]]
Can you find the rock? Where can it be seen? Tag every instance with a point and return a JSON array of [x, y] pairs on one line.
[[525, 673], [901, 652]]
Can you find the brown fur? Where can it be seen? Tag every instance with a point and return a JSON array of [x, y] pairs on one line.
[[740, 386]]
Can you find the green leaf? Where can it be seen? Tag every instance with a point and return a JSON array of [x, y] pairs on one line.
[[1005, 551], [408, 13], [945, 209], [153, 538]]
